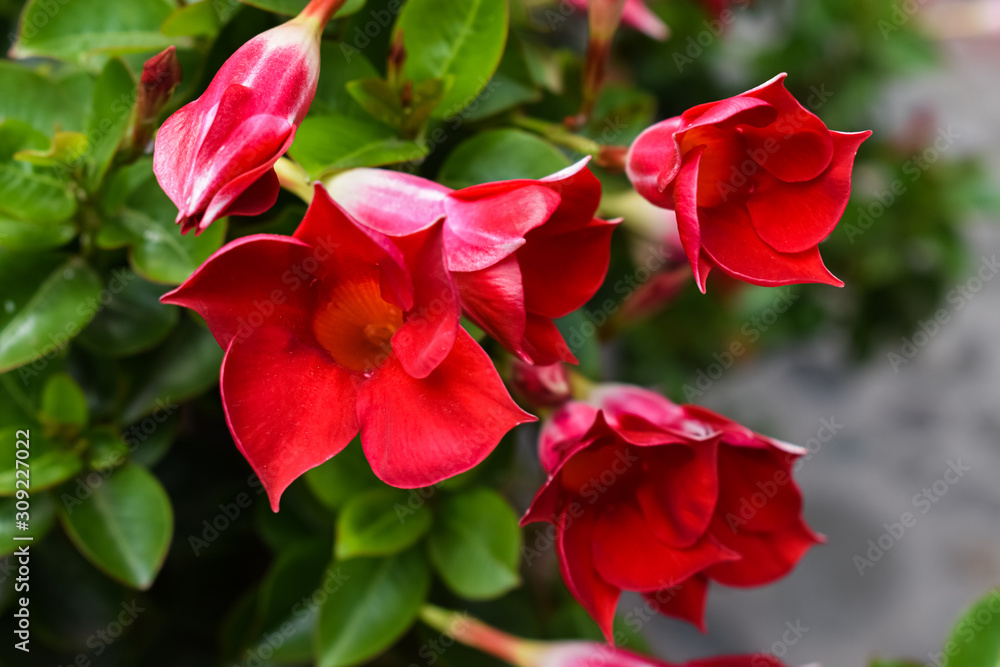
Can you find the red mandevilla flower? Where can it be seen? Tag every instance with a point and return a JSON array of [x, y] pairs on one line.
[[522, 252], [757, 182], [336, 330], [659, 498], [214, 157]]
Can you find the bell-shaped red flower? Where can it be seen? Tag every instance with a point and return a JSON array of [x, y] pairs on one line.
[[522, 252], [757, 182], [214, 157], [339, 329], [659, 498]]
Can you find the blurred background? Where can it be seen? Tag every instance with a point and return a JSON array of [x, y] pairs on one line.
[[891, 381]]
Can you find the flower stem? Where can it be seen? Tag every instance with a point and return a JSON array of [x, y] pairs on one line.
[[610, 157], [463, 628], [322, 10], [292, 177]]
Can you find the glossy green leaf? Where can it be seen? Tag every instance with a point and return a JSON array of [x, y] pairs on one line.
[[380, 522], [975, 639], [293, 7], [375, 600], [43, 100], [511, 85], [30, 196], [133, 319], [63, 402], [51, 462], [199, 19], [41, 516], [379, 99], [124, 526], [114, 98], [79, 30], [183, 367], [475, 544], [342, 477], [498, 155], [325, 144], [43, 306], [332, 96], [461, 38]]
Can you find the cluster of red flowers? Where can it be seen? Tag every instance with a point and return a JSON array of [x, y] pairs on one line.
[[353, 325]]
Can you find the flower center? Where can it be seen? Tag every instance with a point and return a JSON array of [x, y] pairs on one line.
[[355, 325]]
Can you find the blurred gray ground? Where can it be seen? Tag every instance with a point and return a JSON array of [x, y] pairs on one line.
[[897, 434]]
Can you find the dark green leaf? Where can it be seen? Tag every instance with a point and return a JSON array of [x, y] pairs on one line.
[[342, 477], [114, 97], [51, 463], [63, 402], [380, 522], [331, 93], [462, 38], [499, 155], [41, 313], [325, 144], [512, 85], [105, 448], [124, 526], [41, 516], [133, 319], [475, 544], [373, 602]]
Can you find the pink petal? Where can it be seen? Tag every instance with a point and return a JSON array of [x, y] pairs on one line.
[[728, 237], [793, 217], [653, 160], [575, 543], [390, 202], [628, 555], [417, 432], [247, 284], [642, 18], [289, 407]]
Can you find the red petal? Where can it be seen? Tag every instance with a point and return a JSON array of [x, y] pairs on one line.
[[688, 222], [757, 492], [757, 660], [728, 237], [579, 196], [575, 542], [417, 432], [563, 433], [428, 334], [249, 283], [391, 202], [494, 299], [174, 151], [653, 161], [328, 227], [628, 555], [289, 407], [678, 495], [481, 232], [685, 601], [766, 557], [256, 198], [741, 109], [793, 217], [620, 401], [543, 342]]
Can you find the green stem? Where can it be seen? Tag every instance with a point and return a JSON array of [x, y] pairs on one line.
[[292, 177], [463, 628], [558, 134]]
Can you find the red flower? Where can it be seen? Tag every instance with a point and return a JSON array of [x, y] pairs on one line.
[[654, 497], [214, 157], [336, 330], [589, 654], [522, 252], [757, 182]]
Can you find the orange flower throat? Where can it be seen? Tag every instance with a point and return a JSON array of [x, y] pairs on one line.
[[356, 325]]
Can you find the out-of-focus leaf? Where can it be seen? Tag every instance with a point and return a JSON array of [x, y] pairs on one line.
[[65, 149], [51, 463], [20, 235], [63, 402], [124, 526], [475, 544], [199, 19], [461, 38], [975, 639], [373, 602], [45, 304], [342, 477], [45, 101], [79, 30], [331, 92], [325, 144], [378, 98], [133, 319], [498, 155], [105, 448], [25, 195], [510, 86], [114, 98], [293, 7], [379, 523], [41, 516]]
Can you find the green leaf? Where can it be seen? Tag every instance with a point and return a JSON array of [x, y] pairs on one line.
[[325, 144], [185, 366], [376, 600], [25, 195], [145, 222], [20, 235], [379, 99], [45, 101], [462, 38], [975, 640], [105, 448], [81, 30], [63, 402], [133, 320], [293, 7], [124, 526], [475, 544], [342, 477], [65, 149], [498, 155], [114, 98], [41, 516], [380, 522], [44, 306], [511, 86], [195, 20], [331, 92], [50, 462]]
